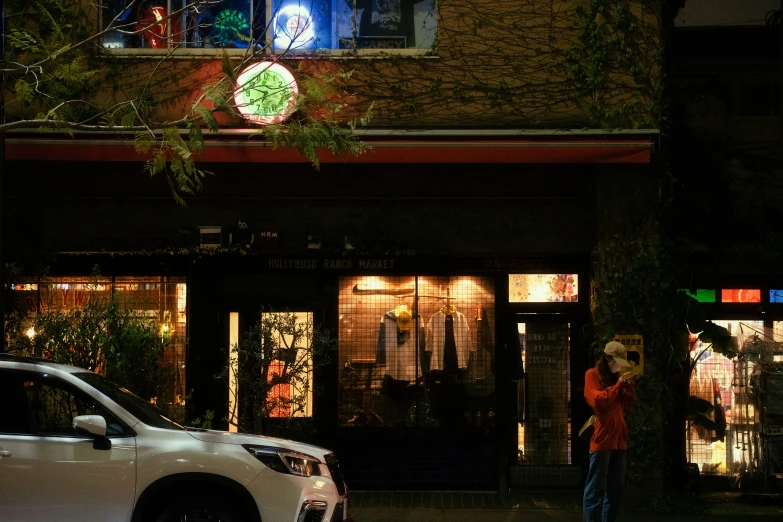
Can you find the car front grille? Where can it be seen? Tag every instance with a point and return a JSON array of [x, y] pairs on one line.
[[337, 515], [312, 511], [312, 516], [336, 473]]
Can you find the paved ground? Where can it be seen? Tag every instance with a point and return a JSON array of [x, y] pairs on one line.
[[456, 506], [452, 515]]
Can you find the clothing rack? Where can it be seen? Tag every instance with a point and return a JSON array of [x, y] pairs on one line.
[[424, 295], [396, 292]]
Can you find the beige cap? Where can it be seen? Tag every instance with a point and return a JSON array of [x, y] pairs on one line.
[[618, 353]]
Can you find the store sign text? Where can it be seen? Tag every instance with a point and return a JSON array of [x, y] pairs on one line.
[[503, 264], [331, 264]]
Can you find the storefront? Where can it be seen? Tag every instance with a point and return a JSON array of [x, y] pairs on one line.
[[159, 301], [452, 269], [746, 442], [450, 372]]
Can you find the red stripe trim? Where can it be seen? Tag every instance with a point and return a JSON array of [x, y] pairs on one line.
[[583, 151]]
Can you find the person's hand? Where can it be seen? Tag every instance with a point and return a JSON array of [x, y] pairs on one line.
[[627, 378]]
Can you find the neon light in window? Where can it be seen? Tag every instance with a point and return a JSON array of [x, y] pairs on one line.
[[294, 28], [740, 295], [776, 296], [702, 295]]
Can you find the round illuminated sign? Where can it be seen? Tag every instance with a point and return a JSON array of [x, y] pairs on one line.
[[294, 28], [266, 93], [231, 29]]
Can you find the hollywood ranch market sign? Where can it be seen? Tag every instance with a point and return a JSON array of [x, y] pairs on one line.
[[266, 93]]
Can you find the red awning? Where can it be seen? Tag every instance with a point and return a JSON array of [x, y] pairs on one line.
[[572, 148]]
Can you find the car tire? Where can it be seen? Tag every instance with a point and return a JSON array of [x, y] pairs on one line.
[[198, 506]]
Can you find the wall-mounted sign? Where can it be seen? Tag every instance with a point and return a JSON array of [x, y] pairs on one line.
[[266, 93], [634, 344]]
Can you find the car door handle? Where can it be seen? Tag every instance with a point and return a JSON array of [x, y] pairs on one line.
[[4, 453]]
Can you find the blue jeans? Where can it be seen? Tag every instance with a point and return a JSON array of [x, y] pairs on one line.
[[604, 486]]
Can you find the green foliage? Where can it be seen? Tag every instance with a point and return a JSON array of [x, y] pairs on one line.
[[630, 297], [308, 137], [670, 502], [105, 335], [174, 158], [645, 445], [62, 79], [205, 423], [41, 61], [616, 63]]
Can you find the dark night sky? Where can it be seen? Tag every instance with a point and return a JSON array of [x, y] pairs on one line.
[[725, 12]]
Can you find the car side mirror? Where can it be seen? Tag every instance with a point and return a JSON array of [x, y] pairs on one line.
[[93, 426]]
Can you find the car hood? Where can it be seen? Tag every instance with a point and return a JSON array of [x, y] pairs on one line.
[[225, 437]]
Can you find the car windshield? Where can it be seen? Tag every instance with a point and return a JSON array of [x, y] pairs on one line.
[[136, 406]]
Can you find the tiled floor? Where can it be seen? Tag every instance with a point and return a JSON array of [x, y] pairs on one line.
[[465, 500]]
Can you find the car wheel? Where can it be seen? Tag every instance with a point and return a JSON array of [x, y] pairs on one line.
[[198, 508]]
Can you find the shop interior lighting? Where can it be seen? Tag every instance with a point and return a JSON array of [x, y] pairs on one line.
[[294, 27]]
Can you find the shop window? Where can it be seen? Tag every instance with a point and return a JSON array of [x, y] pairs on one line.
[[164, 24], [416, 352], [724, 383], [543, 288], [290, 26], [741, 295], [294, 398], [701, 295], [162, 300]]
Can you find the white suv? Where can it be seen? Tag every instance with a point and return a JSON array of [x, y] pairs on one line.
[[76, 447]]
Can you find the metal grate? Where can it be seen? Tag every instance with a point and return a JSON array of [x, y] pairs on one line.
[[416, 352], [544, 437], [727, 449], [160, 299]]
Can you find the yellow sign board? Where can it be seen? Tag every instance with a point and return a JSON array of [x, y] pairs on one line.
[[634, 344]]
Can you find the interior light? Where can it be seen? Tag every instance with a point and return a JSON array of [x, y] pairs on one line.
[[30, 332], [293, 27]]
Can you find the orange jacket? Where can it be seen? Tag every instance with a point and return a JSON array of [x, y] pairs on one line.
[[609, 405]]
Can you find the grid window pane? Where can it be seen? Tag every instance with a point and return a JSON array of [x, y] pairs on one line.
[[723, 383], [544, 438], [161, 300], [416, 351]]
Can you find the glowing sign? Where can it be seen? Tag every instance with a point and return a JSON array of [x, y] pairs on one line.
[[294, 28], [266, 93], [231, 29]]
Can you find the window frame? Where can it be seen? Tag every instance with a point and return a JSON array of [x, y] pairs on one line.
[[57, 382], [268, 51], [14, 379]]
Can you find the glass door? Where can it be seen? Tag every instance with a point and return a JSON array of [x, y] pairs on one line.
[[544, 444]]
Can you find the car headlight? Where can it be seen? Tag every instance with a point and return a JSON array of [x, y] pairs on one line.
[[286, 461]]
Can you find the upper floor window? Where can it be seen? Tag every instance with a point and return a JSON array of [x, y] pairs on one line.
[[277, 26]]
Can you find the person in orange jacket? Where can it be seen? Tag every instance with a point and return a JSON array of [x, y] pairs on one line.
[[609, 391]]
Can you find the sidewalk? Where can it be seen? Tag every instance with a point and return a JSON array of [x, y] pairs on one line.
[[459, 506]]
